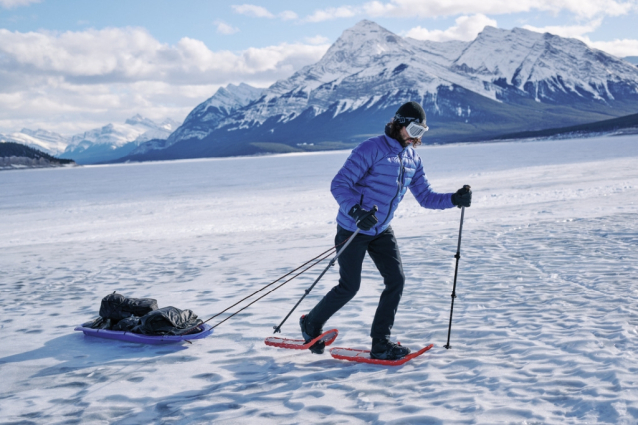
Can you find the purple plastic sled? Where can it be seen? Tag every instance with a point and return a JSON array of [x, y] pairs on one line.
[[145, 339]]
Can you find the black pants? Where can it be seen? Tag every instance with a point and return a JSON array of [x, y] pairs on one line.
[[384, 252]]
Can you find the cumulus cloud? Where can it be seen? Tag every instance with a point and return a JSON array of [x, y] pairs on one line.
[[618, 47], [224, 28], [436, 8], [572, 31], [10, 4], [466, 29], [107, 75]]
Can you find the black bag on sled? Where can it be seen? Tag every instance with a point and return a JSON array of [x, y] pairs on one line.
[[126, 324], [166, 321], [117, 307]]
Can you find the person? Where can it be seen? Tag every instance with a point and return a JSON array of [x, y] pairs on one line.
[[368, 189]]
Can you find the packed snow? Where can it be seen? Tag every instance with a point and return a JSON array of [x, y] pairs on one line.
[[545, 325]]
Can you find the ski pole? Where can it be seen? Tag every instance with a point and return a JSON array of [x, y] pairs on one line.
[[307, 291], [456, 270]]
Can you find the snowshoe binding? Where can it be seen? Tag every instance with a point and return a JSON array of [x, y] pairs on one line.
[[384, 349], [309, 333]]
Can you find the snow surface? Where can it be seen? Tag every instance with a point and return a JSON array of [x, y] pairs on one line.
[[545, 326]]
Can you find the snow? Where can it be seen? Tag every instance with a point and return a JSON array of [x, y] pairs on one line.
[[136, 129], [545, 324], [521, 56], [225, 101], [46, 141], [368, 61]]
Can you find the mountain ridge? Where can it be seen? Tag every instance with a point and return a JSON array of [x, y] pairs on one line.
[[503, 81]]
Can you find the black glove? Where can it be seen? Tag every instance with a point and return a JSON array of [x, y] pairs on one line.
[[365, 219], [462, 197]]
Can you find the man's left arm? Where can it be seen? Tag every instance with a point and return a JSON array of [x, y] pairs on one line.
[[423, 193]]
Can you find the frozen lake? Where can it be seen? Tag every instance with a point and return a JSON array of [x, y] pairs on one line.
[[545, 326]]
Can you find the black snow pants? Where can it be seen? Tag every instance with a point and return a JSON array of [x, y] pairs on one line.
[[384, 251]]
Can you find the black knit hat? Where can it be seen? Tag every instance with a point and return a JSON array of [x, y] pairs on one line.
[[409, 112]]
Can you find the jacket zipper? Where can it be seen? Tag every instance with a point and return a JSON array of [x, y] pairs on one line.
[[399, 187]]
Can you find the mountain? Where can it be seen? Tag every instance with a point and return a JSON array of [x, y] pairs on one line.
[[502, 82], [631, 59], [115, 140], [45, 141], [623, 125], [207, 115], [15, 155]]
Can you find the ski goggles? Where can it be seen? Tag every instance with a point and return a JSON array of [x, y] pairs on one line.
[[416, 131], [414, 128]]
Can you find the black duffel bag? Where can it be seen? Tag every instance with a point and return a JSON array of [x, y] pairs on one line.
[[117, 307], [166, 321]]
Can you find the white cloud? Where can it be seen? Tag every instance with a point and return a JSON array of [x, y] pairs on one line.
[[224, 28], [466, 29], [317, 39], [619, 48], [333, 13], [10, 4], [70, 81], [252, 10], [572, 31], [436, 8], [262, 12], [288, 15]]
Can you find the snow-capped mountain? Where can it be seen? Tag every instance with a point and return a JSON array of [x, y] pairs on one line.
[[501, 82], [547, 67], [116, 140], [45, 141], [207, 115]]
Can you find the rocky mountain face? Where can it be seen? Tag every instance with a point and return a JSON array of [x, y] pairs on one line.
[[205, 118], [503, 81]]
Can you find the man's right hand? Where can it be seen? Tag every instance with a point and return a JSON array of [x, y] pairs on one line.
[[365, 219], [463, 197]]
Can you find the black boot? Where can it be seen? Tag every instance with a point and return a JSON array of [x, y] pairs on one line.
[[309, 333], [384, 349]]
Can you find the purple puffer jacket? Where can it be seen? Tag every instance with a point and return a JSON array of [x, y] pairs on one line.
[[378, 172]]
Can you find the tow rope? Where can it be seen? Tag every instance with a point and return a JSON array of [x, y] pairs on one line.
[[319, 258]]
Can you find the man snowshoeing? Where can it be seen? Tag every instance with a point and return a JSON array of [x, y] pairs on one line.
[[369, 188]]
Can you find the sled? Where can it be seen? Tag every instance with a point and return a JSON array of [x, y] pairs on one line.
[[146, 339]]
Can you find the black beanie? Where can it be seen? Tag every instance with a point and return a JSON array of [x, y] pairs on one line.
[[413, 112]]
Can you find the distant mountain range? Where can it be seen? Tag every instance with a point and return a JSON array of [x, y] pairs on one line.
[[107, 143], [502, 82]]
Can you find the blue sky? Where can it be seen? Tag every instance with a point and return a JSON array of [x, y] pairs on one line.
[[72, 65]]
